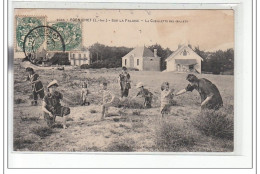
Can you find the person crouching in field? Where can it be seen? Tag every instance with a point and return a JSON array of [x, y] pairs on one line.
[[37, 87], [109, 100], [146, 94], [51, 105], [166, 98], [209, 93], [124, 82], [84, 93]]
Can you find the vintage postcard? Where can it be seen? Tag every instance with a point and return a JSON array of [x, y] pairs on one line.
[[87, 80]]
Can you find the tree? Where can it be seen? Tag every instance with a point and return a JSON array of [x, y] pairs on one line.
[[222, 61], [106, 56]]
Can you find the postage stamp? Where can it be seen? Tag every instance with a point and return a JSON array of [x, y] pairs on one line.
[[72, 34], [23, 26]]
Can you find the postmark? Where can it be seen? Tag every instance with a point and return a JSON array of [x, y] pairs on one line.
[[23, 26], [71, 33], [38, 40]]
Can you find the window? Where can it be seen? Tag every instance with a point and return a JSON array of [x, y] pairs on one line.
[[73, 55], [84, 55], [79, 55], [125, 61], [137, 62]]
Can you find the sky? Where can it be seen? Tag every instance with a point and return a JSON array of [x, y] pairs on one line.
[[209, 29]]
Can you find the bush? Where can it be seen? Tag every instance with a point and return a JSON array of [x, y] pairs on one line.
[[42, 131], [132, 104], [21, 143], [121, 145], [216, 123], [174, 137], [60, 58], [93, 111], [26, 117], [100, 64], [19, 101]]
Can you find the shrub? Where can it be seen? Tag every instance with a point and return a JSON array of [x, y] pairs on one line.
[[216, 123], [132, 104], [19, 101], [100, 64], [21, 143], [42, 131], [138, 113], [26, 117], [174, 137], [121, 145], [93, 111]]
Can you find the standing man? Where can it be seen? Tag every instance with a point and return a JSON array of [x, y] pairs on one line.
[[37, 87], [124, 81], [209, 93], [51, 105]]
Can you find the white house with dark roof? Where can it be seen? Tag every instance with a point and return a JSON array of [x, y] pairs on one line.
[[142, 59], [184, 59]]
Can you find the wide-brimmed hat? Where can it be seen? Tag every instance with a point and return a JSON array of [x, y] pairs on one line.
[[52, 83], [139, 85]]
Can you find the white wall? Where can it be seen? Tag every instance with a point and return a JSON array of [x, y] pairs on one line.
[[79, 58], [171, 66]]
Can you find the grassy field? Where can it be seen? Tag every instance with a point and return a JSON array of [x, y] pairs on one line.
[[126, 129]]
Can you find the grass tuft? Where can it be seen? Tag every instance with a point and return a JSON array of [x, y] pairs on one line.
[[215, 123], [122, 145], [21, 143], [92, 111], [42, 131], [173, 137], [19, 101]]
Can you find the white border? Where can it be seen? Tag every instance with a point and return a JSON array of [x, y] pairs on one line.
[[243, 85]]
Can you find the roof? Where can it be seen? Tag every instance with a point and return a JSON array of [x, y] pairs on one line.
[[186, 61], [179, 50], [140, 52]]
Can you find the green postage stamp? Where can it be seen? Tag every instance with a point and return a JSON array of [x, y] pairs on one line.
[[70, 32], [32, 33], [24, 24]]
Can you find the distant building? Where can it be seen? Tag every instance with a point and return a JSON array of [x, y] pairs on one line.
[[184, 59], [79, 57], [142, 59]]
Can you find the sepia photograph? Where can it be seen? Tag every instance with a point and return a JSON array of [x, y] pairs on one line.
[[89, 80]]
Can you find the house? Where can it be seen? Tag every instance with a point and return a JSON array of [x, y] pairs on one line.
[[79, 57], [142, 59], [184, 59]]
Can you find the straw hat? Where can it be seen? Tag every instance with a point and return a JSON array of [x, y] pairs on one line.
[[139, 85], [54, 82]]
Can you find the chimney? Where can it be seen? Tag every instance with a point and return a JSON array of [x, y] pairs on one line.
[[155, 52], [179, 46], [189, 45]]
